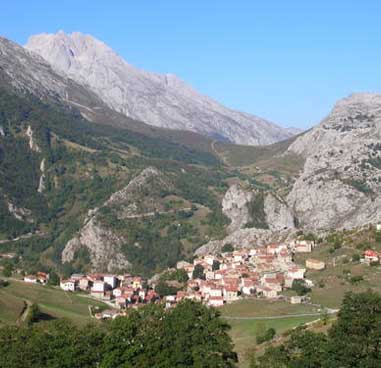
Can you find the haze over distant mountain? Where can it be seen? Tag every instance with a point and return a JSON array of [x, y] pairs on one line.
[[159, 100]]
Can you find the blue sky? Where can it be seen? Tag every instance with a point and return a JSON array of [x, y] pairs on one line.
[[287, 61]]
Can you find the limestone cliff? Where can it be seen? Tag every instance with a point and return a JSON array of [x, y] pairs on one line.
[[103, 244], [340, 185], [235, 206]]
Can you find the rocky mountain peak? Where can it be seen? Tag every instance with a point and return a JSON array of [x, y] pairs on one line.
[[340, 183], [159, 100]]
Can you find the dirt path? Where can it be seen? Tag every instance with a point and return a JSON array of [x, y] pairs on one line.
[[218, 154], [24, 313], [285, 316], [26, 236]]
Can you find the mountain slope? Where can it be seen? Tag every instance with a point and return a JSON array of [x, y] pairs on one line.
[[59, 160], [340, 185], [159, 100]]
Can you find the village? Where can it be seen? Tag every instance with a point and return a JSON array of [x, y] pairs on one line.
[[263, 272]]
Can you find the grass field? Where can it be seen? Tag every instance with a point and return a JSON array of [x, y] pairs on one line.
[[243, 331], [336, 278], [252, 307], [52, 301]]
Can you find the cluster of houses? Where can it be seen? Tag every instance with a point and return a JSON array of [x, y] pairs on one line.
[[262, 272], [123, 291], [371, 256], [39, 278]]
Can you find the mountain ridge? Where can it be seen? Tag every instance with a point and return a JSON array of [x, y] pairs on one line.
[[159, 100]]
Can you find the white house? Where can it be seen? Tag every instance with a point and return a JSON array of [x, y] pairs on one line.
[[215, 292], [98, 286], [110, 280], [248, 286], [67, 285], [31, 279], [302, 246], [117, 292], [216, 301], [296, 272], [209, 275]]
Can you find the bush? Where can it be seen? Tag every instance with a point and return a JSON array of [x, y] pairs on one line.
[[3, 283], [7, 270], [198, 272], [228, 247], [267, 336], [299, 286], [356, 258], [321, 284], [356, 279], [163, 289]]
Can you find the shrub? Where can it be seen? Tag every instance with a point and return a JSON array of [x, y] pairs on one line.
[[267, 336], [356, 279], [300, 287], [356, 258], [228, 247]]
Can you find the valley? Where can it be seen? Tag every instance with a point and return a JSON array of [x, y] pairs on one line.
[[155, 202]]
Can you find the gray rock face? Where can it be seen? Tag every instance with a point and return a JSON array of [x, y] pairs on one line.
[[102, 243], [28, 72], [22, 214], [159, 100], [244, 238], [278, 215], [340, 185], [234, 206], [41, 184]]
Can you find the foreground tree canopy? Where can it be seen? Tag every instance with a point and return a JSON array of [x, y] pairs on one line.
[[190, 335], [354, 341]]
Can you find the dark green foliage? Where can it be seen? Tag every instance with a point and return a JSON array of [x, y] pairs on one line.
[[175, 275], [78, 180], [257, 212], [198, 272], [3, 283], [227, 248], [354, 341], [356, 257], [376, 162], [267, 336], [54, 279], [34, 314], [361, 186], [215, 265], [300, 287], [7, 269], [356, 279], [190, 335], [163, 289]]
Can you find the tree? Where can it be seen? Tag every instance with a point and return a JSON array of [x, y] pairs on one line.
[[268, 335], [54, 279], [354, 341], [34, 314], [163, 289], [190, 335], [356, 258], [356, 337], [299, 286], [146, 338], [198, 272], [7, 270], [227, 248], [215, 265]]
